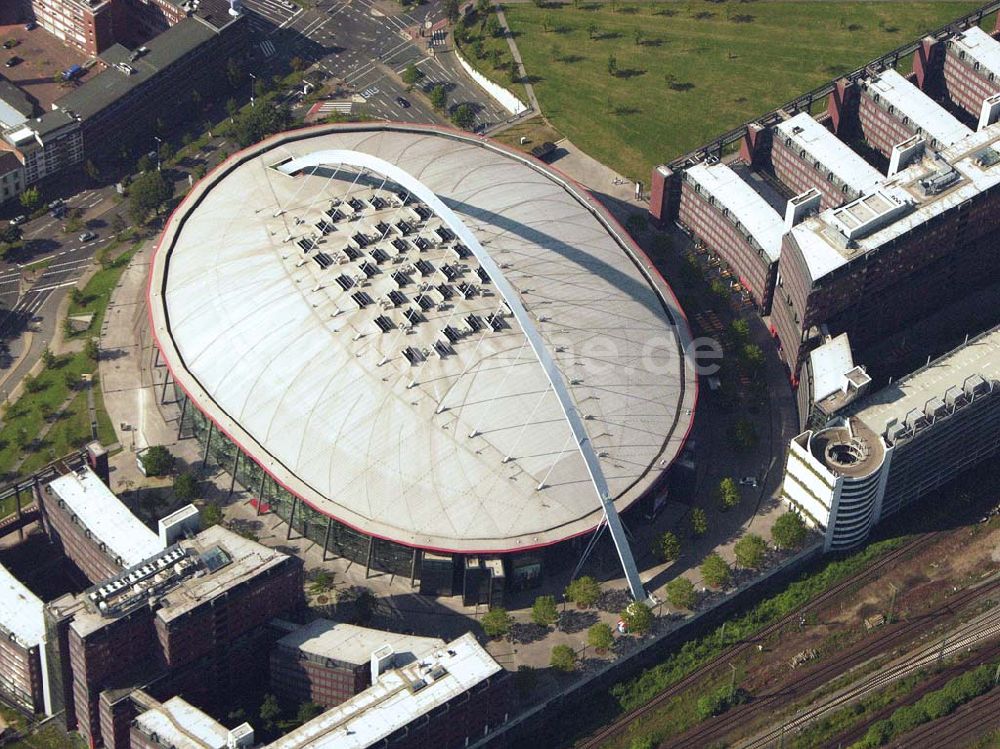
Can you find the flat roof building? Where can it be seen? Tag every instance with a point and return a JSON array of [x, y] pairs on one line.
[[329, 662], [177, 724], [450, 696], [893, 110], [96, 531], [971, 72], [806, 155], [22, 646], [885, 451], [749, 235]]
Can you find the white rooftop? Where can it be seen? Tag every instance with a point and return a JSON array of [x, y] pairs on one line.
[[980, 356], [926, 115], [829, 363], [181, 725], [466, 447], [392, 702], [20, 610], [10, 117], [745, 204], [104, 515], [822, 238], [351, 644], [835, 156], [981, 48]]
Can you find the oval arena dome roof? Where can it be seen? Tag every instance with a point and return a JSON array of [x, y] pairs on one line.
[[336, 327]]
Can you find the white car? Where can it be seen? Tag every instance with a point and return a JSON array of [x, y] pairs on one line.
[[750, 481], [87, 236]]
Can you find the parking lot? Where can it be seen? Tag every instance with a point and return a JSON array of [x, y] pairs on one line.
[[43, 57]]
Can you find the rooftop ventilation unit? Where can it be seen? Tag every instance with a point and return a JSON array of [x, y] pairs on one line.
[[940, 181]]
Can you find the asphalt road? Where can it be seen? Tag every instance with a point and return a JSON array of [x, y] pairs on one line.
[[366, 46]]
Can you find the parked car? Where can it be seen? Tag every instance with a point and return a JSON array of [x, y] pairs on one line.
[[10, 44], [18, 220], [15, 60], [402, 102], [57, 203], [87, 236], [29, 26]]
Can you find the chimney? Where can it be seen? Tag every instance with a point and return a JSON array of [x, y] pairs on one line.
[[381, 661]]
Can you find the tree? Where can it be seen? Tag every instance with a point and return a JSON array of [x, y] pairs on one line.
[[412, 75], [144, 164], [157, 461], [451, 10], [463, 116], [789, 531], [321, 583], [600, 637], [439, 97], [496, 623], [728, 493], [211, 514], [699, 522], [638, 617], [637, 37], [11, 234], [592, 31], [739, 329], [91, 349], [270, 711], [185, 487], [482, 7], [48, 358], [492, 27], [232, 107], [612, 66], [307, 711], [584, 591], [147, 193], [496, 58], [297, 64], [744, 435], [668, 547], [544, 611], [750, 551], [33, 384], [752, 356], [234, 72], [30, 199], [563, 658], [166, 151], [91, 170], [681, 593], [118, 224], [257, 123], [715, 571]]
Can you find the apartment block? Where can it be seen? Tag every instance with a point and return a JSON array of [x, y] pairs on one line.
[[190, 616], [725, 213], [87, 25], [892, 110], [885, 450], [971, 71], [177, 724], [91, 525], [805, 155], [329, 662], [23, 680]]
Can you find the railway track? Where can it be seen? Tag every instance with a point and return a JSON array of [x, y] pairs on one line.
[[716, 728], [619, 726]]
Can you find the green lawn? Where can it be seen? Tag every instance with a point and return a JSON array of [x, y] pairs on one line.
[[696, 69]]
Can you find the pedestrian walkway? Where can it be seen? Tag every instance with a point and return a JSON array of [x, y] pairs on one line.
[[516, 54]]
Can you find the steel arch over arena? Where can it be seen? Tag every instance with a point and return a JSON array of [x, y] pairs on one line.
[[405, 339]]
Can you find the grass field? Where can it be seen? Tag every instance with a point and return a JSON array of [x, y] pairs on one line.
[[691, 70]]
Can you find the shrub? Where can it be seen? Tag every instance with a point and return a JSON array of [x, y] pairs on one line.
[[681, 593], [563, 658], [715, 571], [544, 611]]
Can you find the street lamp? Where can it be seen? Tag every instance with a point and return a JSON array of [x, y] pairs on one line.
[[158, 144], [253, 85]]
